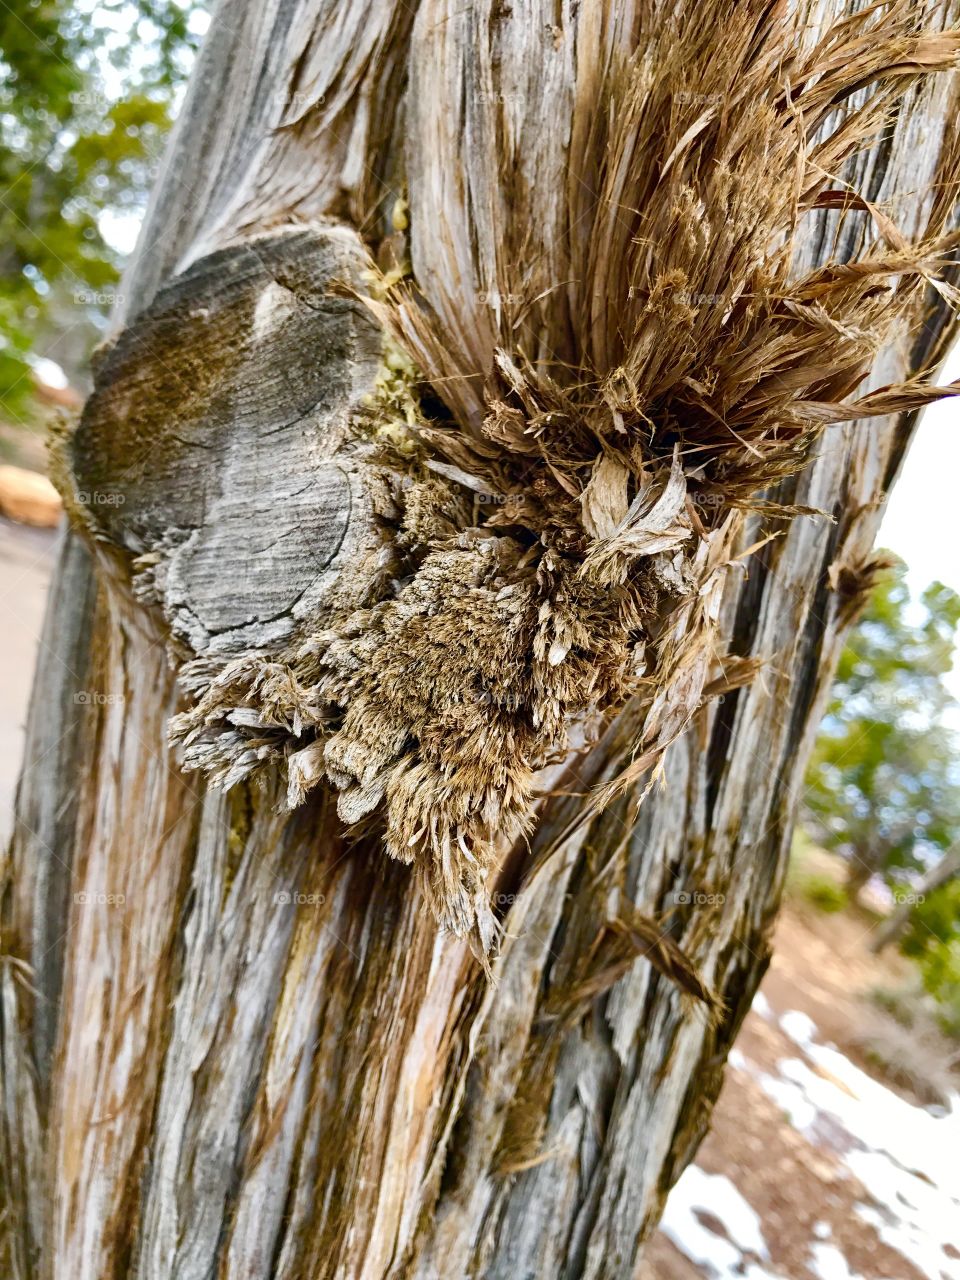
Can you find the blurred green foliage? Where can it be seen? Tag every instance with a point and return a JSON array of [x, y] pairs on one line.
[[86, 93], [883, 787], [822, 892], [933, 941]]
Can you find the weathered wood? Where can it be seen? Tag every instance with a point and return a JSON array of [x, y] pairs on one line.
[[212, 446], [120, 949], [269, 1062]]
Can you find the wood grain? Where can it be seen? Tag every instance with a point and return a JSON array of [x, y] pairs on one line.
[[210, 442], [254, 1085]]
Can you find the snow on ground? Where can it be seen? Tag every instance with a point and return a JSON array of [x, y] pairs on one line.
[[828, 1263], [905, 1157], [700, 1193]]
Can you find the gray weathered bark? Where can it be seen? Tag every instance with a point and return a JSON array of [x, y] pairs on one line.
[[233, 1043]]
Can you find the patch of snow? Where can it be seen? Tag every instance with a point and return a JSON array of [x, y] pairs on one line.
[[919, 1219], [866, 1213], [761, 1007], [719, 1257], [792, 1101], [828, 1263], [884, 1121], [799, 1027]]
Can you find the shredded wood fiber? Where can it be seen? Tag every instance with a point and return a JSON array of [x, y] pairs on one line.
[[561, 466]]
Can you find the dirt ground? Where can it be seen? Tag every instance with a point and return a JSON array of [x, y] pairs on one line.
[[26, 562], [798, 1183]]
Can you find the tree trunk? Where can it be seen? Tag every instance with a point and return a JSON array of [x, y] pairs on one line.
[[859, 874], [895, 925], [234, 1040]]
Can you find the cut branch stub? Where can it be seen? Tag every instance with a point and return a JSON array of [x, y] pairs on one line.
[[214, 447]]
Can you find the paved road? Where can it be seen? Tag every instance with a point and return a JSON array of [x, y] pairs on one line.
[[26, 562]]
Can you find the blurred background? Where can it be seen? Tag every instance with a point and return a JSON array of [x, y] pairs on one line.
[[833, 1153]]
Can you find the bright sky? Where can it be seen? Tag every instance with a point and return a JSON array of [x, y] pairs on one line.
[[120, 228], [920, 523]]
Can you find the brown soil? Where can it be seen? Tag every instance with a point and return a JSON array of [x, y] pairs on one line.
[[822, 967]]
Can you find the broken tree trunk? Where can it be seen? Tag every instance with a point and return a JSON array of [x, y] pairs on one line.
[[236, 1040]]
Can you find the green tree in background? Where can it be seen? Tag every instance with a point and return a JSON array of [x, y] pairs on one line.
[[86, 93], [932, 939], [884, 782]]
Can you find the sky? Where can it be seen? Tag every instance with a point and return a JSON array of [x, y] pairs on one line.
[[121, 227], [920, 523]]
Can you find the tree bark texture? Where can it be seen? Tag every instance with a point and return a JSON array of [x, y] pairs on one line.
[[234, 1044]]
